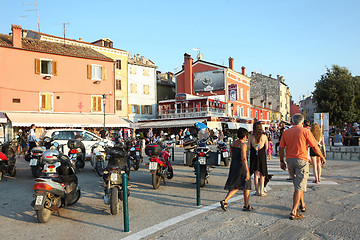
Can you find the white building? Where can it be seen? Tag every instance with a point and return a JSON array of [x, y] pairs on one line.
[[141, 89]]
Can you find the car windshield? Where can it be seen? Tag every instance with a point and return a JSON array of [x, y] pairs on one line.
[[88, 137], [62, 135]]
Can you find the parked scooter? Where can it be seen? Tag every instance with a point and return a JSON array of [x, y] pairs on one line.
[[36, 164], [7, 158], [117, 165], [52, 193], [76, 153], [202, 154], [224, 152], [98, 158], [159, 164], [135, 154], [50, 162]]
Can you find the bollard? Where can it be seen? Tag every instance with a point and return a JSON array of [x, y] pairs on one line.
[[173, 152], [125, 203], [198, 200]]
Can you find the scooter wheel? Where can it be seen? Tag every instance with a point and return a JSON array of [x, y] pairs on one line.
[[43, 215]]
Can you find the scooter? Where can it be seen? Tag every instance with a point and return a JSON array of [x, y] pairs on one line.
[[76, 153], [224, 152], [135, 154], [159, 164], [117, 165], [52, 193], [202, 154], [36, 164], [98, 158], [7, 158], [50, 162]]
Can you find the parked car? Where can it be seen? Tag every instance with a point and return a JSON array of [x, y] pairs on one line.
[[63, 135]]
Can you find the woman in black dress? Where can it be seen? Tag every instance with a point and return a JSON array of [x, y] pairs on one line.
[[239, 174], [258, 144]]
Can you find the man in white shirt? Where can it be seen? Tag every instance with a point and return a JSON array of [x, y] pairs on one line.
[[32, 137]]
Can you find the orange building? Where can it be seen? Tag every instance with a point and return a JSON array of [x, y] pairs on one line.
[[54, 85]]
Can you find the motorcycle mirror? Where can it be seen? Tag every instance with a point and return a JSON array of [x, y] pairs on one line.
[[56, 144]]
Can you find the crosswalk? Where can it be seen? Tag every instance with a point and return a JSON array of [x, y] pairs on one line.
[[279, 176]]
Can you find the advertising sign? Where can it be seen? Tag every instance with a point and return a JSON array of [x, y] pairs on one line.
[[209, 81], [233, 92]]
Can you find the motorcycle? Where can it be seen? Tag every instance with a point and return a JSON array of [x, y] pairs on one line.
[[52, 193], [202, 152], [98, 158], [224, 152], [135, 154], [76, 153], [50, 162], [7, 158], [35, 162], [117, 165], [159, 164]]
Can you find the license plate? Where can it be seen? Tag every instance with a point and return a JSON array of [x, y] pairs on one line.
[[39, 200], [114, 177], [33, 162], [225, 154], [137, 154], [153, 165], [202, 160]]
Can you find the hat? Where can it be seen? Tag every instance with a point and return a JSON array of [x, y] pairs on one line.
[[355, 124], [20, 130]]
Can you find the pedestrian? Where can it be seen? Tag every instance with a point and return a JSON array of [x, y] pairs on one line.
[[258, 145], [280, 132], [239, 174], [316, 131], [296, 140], [22, 142], [150, 135], [103, 133], [32, 137], [269, 151], [338, 138]]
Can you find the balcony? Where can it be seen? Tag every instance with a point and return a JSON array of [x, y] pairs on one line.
[[192, 112]]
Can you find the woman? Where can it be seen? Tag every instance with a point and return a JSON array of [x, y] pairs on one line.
[[239, 174], [258, 144], [316, 131]]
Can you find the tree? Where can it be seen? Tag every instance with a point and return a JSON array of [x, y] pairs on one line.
[[338, 93]]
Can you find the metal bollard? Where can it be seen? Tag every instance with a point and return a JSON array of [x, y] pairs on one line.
[[125, 203], [198, 200], [173, 153]]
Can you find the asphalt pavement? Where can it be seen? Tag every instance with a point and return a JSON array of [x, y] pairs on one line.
[[171, 212]]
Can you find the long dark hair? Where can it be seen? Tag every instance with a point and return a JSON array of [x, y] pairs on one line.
[[257, 131]]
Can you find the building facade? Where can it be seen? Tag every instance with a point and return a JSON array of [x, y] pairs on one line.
[[308, 107], [272, 93], [165, 86], [142, 89]]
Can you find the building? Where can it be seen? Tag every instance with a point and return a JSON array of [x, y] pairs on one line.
[[105, 47], [165, 86], [142, 87], [272, 93], [308, 107], [294, 108], [54, 85]]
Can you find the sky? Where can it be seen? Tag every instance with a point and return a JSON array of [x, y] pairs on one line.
[[295, 39]]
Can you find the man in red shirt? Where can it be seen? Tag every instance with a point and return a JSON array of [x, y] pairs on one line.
[[296, 140]]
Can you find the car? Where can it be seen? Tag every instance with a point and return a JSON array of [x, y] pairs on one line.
[[62, 136]]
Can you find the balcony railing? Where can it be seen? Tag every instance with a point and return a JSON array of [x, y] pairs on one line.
[[192, 112]]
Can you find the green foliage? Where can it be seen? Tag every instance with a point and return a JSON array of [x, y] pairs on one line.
[[338, 93]]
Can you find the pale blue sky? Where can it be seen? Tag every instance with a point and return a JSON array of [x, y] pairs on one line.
[[296, 39]]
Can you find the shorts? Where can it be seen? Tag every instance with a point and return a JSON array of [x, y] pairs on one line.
[[299, 172]]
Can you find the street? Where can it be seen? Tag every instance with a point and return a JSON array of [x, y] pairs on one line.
[[332, 207]]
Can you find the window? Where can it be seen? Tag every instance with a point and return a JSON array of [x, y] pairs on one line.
[[146, 72], [147, 109], [96, 72], [118, 64], [118, 84], [261, 116], [146, 89], [96, 103], [256, 114], [16, 100], [251, 113], [241, 94], [242, 111], [248, 96], [134, 109], [118, 105], [46, 67], [133, 88], [132, 70], [46, 101]]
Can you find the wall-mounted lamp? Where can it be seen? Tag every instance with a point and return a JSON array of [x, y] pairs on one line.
[[47, 77], [97, 82]]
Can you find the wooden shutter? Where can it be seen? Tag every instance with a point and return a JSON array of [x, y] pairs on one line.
[[129, 108], [37, 66], [93, 104], [48, 101], [43, 101], [103, 72], [142, 109], [54, 68], [150, 110], [99, 104], [137, 109], [89, 71]]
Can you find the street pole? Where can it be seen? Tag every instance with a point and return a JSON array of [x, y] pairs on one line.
[[104, 98]]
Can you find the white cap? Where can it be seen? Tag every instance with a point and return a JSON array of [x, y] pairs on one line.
[[355, 124]]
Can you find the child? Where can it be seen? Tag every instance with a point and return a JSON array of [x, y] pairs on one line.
[[270, 149]]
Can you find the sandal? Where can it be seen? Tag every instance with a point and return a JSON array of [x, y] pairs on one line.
[[248, 208], [298, 216], [302, 208], [223, 205], [263, 195]]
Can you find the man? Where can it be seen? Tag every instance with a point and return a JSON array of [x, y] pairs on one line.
[[103, 133], [296, 140], [32, 137]]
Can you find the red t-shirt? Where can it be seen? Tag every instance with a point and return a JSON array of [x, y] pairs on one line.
[[296, 140]]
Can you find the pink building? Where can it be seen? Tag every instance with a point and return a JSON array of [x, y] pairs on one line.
[[54, 85]]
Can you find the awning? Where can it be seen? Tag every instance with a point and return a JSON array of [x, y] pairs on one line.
[[169, 123], [3, 118], [65, 120], [236, 125]]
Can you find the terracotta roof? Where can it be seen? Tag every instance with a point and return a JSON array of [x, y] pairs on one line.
[[54, 48]]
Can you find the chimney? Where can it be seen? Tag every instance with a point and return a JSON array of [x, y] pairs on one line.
[[231, 63], [270, 75], [16, 36], [80, 39], [188, 84], [243, 70]]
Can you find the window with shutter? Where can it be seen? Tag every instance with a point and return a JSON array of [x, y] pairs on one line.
[[46, 101], [37, 66], [118, 64], [118, 84], [118, 105], [54, 68], [133, 88], [96, 102], [137, 109], [146, 89], [146, 72]]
